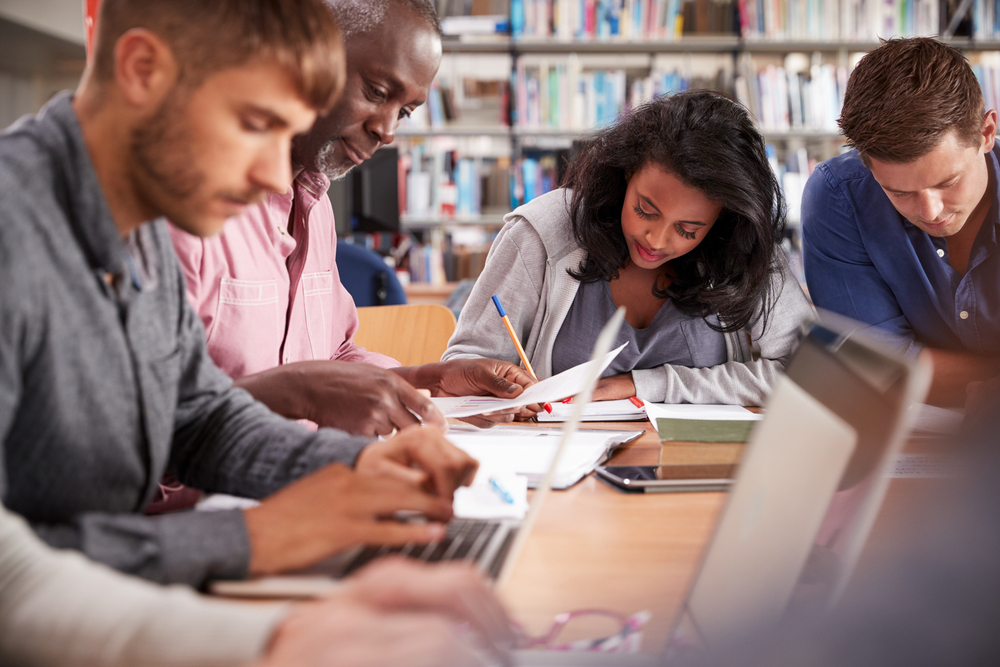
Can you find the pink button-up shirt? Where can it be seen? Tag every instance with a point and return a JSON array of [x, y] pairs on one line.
[[270, 297]]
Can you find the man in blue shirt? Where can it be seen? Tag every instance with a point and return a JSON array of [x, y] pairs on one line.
[[901, 232]]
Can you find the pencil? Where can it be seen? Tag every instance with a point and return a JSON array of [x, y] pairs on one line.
[[517, 344]]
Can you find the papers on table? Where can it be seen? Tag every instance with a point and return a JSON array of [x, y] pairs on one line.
[[596, 411], [483, 500], [527, 451], [934, 422], [553, 389]]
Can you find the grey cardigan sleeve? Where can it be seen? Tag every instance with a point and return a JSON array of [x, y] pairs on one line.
[[515, 273], [756, 357], [58, 608]]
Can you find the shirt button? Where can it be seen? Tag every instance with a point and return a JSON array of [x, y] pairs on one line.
[[286, 357], [283, 231], [940, 252], [964, 314]]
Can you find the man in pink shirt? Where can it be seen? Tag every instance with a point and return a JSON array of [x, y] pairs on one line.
[[277, 318]]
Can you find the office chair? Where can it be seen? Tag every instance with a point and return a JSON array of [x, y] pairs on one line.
[[367, 277]]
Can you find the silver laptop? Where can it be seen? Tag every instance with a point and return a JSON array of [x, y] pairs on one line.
[[488, 543], [492, 544], [806, 494]]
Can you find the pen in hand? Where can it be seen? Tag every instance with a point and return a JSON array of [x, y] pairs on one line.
[[517, 344]]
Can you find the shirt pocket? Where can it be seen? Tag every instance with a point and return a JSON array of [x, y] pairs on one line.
[[317, 293], [248, 327]]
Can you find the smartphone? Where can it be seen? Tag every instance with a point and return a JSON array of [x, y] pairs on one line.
[[661, 479]]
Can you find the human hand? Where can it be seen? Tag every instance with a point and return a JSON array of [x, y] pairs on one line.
[[344, 632], [477, 377], [614, 387], [356, 397], [333, 509], [420, 456], [455, 589]]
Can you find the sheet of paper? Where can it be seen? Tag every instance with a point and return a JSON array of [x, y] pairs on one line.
[[655, 411], [482, 501], [553, 389], [596, 411], [934, 422], [528, 451]]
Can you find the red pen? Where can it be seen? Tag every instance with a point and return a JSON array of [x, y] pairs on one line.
[[517, 344]]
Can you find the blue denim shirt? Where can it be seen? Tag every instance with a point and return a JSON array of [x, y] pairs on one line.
[[865, 261]]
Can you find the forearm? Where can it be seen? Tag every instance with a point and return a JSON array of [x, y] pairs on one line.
[[953, 371], [186, 547], [731, 383], [236, 445], [58, 608], [426, 376], [280, 388]]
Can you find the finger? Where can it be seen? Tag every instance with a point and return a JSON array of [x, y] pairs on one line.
[[421, 405], [455, 466], [502, 387], [382, 496], [386, 467], [481, 422], [516, 374], [392, 533], [451, 588]]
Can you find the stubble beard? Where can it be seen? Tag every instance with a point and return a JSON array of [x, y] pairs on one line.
[[326, 162], [162, 149]]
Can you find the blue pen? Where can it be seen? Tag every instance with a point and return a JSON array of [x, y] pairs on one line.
[[502, 492]]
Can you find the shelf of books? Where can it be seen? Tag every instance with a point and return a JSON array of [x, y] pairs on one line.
[[524, 81]]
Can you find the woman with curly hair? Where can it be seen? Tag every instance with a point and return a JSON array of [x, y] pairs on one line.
[[674, 213]]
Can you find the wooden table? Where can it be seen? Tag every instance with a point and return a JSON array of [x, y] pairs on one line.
[[596, 547]]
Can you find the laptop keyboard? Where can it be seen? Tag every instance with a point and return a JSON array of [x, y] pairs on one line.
[[465, 539]]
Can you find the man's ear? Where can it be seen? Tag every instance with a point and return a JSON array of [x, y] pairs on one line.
[[989, 130], [145, 68]]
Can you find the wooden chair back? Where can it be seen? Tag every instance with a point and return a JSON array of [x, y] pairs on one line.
[[411, 334]]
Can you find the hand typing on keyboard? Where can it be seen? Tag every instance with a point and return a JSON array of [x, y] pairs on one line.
[[421, 456], [336, 508]]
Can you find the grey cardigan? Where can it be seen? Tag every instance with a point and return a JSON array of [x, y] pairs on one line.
[[527, 268]]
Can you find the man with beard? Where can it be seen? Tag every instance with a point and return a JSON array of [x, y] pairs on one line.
[[277, 318], [188, 111]]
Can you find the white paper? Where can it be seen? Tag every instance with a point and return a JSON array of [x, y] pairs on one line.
[[482, 501], [596, 411], [932, 421], [656, 411], [553, 389], [528, 451]]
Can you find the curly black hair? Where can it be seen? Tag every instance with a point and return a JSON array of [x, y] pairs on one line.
[[710, 142]]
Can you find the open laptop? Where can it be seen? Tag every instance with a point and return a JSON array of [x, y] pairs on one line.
[[805, 497], [489, 543]]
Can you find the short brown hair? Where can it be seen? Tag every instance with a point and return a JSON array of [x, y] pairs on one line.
[[210, 35], [905, 95]]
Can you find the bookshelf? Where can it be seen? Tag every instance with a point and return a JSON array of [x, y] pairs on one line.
[[506, 110]]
